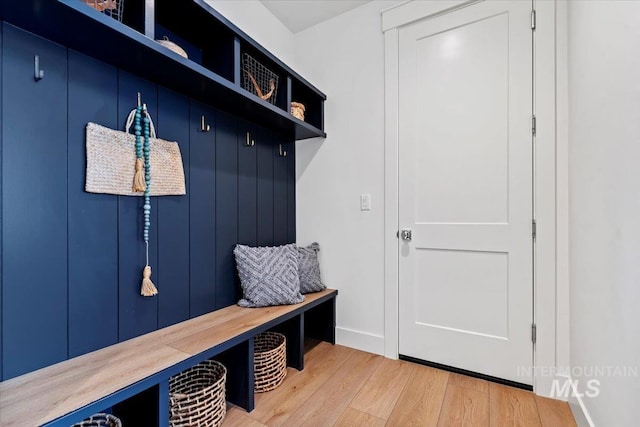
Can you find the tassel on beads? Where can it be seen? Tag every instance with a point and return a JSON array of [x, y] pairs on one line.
[[139, 183], [148, 288]]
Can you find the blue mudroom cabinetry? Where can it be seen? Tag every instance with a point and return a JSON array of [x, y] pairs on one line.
[[71, 261], [173, 213], [92, 218], [34, 204]]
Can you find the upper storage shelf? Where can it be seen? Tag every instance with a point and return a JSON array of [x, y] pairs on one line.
[[212, 74]]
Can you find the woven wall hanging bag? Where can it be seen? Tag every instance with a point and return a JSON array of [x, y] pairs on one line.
[[111, 162]]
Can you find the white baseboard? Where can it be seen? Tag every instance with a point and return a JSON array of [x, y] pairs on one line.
[[578, 407], [360, 340], [580, 412]]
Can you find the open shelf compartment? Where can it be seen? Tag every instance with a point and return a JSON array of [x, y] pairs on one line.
[[207, 41], [313, 103]]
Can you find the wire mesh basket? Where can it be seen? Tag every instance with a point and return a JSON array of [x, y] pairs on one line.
[[258, 79], [112, 8]]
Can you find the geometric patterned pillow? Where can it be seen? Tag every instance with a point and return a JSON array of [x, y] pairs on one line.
[[268, 275], [309, 269]]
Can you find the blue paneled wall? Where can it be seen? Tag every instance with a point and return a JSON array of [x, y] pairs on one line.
[[72, 261]]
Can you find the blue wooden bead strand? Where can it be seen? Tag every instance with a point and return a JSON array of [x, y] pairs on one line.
[[148, 288], [138, 132], [147, 172], [139, 183]]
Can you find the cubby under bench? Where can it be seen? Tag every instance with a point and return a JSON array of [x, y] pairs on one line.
[[132, 377]]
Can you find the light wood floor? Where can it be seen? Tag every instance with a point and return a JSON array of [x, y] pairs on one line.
[[341, 386]]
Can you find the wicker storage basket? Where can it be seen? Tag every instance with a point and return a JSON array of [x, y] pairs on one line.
[[270, 361], [197, 396], [100, 420], [297, 110]]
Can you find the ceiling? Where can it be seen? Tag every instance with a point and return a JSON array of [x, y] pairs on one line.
[[298, 15]]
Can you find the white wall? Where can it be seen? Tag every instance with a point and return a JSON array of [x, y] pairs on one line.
[[252, 17], [344, 57], [604, 160]]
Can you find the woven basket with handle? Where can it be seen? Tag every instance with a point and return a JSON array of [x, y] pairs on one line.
[[270, 361], [197, 396]]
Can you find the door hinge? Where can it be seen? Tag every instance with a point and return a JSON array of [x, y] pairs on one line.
[[534, 228], [534, 333], [533, 19], [533, 124]]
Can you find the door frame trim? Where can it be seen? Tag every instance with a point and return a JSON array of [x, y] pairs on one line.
[[551, 282]]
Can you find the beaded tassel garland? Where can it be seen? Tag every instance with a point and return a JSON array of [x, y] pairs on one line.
[[143, 183], [139, 183]]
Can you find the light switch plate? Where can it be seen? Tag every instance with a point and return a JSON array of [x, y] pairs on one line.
[[365, 202]]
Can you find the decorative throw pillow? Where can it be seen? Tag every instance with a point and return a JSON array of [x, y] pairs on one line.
[[309, 269], [268, 275]]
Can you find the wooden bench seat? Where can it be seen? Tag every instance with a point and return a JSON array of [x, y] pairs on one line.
[[70, 391]]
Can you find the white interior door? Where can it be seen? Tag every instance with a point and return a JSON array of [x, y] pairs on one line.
[[465, 161]]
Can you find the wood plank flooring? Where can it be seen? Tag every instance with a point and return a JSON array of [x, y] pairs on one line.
[[344, 387]]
